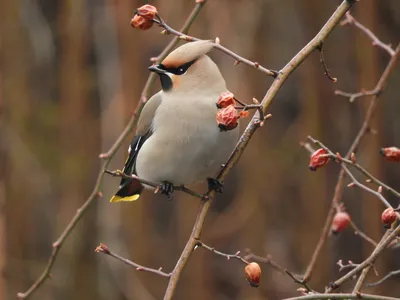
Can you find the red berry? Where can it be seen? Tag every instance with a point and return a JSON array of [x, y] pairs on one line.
[[227, 118], [141, 23], [391, 153], [388, 217], [225, 99], [147, 11], [340, 221], [318, 159], [253, 274]]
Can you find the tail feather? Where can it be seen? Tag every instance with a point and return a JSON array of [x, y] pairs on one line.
[[129, 191]]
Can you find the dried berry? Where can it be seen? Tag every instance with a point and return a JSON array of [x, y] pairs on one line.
[[318, 159], [144, 16], [388, 217], [147, 11], [340, 221], [253, 274], [391, 153], [227, 118], [225, 99], [141, 23]]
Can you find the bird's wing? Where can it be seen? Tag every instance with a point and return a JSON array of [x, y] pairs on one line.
[[130, 189]]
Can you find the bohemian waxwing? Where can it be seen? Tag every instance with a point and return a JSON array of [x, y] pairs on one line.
[[177, 140]]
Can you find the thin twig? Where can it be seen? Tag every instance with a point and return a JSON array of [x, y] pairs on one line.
[[217, 45], [356, 142], [375, 41], [228, 256], [106, 161], [361, 234], [322, 61], [390, 274], [105, 250], [350, 265], [354, 96]]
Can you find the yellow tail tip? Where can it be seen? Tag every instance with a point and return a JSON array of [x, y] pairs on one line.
[[116, 198]]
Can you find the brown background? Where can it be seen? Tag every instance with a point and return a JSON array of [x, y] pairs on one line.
[[71, 74]]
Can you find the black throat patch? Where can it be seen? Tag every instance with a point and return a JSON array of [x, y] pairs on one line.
[[166, 82]]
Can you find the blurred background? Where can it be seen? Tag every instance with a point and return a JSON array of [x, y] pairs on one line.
[[71, 74]]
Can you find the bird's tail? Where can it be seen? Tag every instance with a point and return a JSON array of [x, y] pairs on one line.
[[130, 190]]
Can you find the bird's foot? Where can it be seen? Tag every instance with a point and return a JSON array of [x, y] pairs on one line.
[[166, 188], [215, 184]]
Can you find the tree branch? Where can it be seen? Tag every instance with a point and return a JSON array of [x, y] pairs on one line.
[[105, 250], [390, 274], [375, 41]]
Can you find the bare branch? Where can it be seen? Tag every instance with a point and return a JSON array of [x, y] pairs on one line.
[[217, 45], [228, 256], [390, 274], [322, 61], [354, 96], [105, 250], [375, 41]]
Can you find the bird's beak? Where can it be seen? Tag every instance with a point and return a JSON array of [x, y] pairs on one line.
[[157, 69]]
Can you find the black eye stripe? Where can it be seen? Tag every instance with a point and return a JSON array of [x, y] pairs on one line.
[[178, 70]]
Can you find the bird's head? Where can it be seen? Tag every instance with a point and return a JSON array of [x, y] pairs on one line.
[[189, 68]]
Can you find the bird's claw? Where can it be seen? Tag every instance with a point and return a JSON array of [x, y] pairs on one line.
[[166, 188], [215, 184]]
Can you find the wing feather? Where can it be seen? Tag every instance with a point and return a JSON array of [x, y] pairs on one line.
[[130, 189]]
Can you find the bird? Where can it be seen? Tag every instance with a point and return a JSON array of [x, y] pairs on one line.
[[177, 140]]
